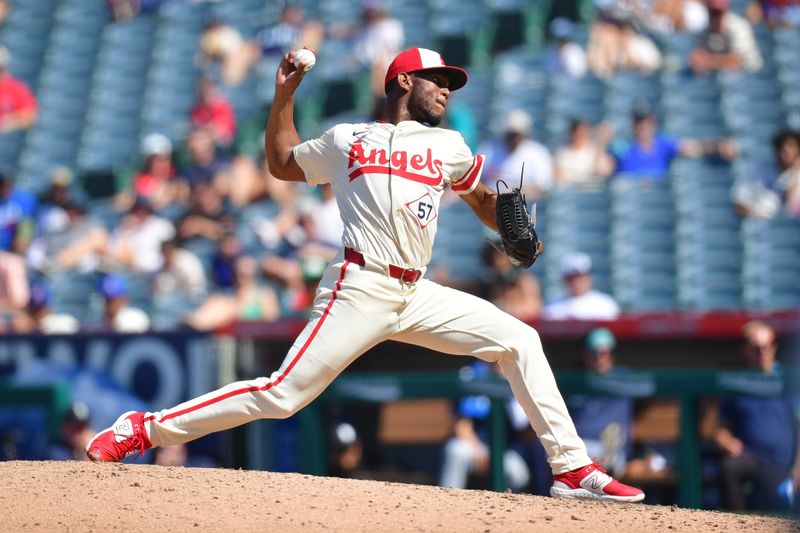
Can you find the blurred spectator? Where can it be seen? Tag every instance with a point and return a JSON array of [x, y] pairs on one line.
[[308, 233], [565, 56], [760, 192], [136, 242], [650, 153], [180, 455], [14, 293], [38, 317], [176, 455], [157, 180], [292, 32], [213, 112], [79, 245], [673, 16], [787, 146], [210, 216], [758, 431], [51, 215], [5, 7], [582, 301], [250, 300], [224, 53], [775, 13], [466, 452], [505, 158], [18, 107], [615, 45], [345, 451], [519, 295], [118, 315], [75, 434], [727, 44], [585, 160], [378, 39], [247, 181], [604, 422], [181, 273], [17, 216], [122, 10], [513, 290], [223, 263], [205, 164]]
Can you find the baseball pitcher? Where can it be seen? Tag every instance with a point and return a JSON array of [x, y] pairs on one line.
[[388, 178]]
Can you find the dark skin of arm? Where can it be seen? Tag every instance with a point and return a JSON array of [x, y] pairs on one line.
[[281, 134]]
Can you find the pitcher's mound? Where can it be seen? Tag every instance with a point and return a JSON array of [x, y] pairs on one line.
[[76, 496]]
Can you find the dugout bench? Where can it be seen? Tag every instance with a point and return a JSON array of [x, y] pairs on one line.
[[688, 386]]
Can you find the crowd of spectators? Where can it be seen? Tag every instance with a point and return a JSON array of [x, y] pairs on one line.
[[203, 218]]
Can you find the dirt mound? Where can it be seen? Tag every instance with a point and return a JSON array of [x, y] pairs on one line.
[[73, 496]]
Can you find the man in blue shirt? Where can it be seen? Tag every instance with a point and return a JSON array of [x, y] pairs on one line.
[[758, 430], [650, 153], [604, 421]]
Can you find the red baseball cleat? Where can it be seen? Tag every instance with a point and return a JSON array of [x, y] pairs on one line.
[[126, 437], [591, 482]]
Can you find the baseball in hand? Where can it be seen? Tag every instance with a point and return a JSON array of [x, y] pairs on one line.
[[305, 56]]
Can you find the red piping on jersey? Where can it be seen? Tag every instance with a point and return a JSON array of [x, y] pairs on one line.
[[279, 378], [470, 176], [378, 169]]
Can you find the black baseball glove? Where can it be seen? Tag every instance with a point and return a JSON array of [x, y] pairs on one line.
[[518, 239]]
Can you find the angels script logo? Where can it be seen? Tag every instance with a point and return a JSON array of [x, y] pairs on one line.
[[423, 169]]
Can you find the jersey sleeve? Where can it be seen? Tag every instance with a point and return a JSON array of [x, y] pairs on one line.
[[315, 157], [465, 169]]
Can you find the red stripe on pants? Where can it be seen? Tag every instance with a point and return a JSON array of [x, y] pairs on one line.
[[279, 378]]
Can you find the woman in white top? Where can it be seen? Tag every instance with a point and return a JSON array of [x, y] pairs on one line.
[[584, 161]]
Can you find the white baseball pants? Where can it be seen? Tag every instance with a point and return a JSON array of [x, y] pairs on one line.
[[357, 308]]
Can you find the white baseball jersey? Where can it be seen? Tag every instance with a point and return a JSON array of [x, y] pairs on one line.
[[388, 180]]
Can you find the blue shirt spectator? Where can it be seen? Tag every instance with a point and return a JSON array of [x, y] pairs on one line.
[[634, 159], [764, 424], [604, 420], [17, 212], [650, 153], [758, 430]]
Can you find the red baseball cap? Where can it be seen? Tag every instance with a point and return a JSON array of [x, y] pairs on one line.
[[416, 59]]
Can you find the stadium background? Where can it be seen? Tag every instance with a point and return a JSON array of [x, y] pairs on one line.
[[686, 269]]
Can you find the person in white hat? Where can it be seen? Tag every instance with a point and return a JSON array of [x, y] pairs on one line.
[[506, 157], [583, 301]]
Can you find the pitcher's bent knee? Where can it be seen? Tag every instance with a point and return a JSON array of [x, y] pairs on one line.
[[524, 343]]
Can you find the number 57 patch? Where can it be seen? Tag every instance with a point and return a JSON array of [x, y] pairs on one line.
[[423, 209]]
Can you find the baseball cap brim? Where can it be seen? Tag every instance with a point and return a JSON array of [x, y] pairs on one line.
[[457, 76], [424, 60]]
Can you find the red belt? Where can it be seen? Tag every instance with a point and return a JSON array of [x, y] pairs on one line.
[[407, 275]]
